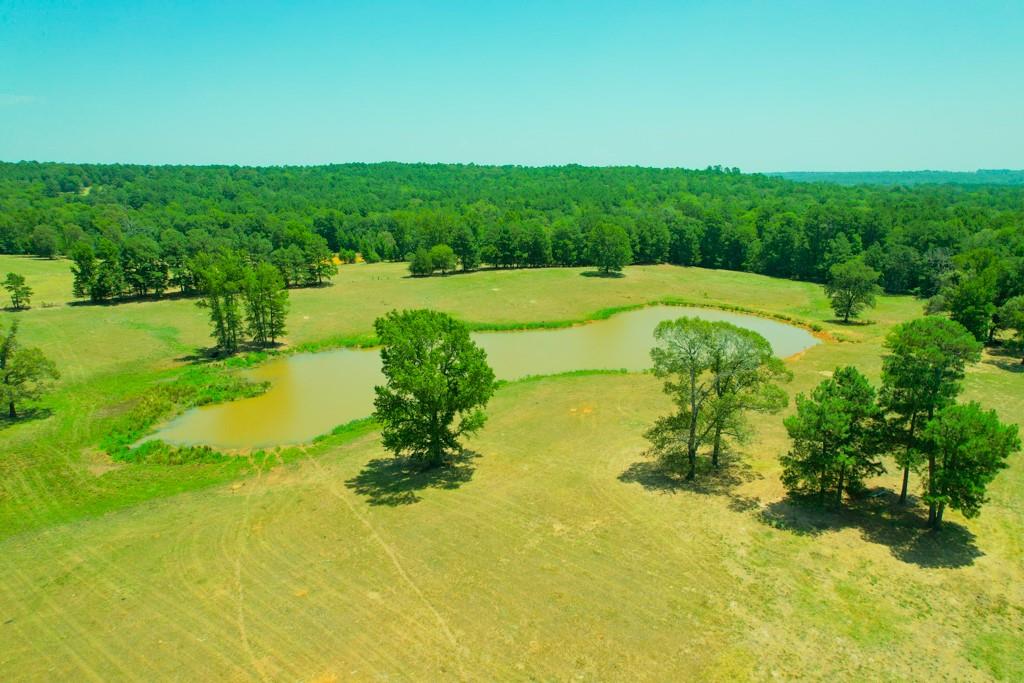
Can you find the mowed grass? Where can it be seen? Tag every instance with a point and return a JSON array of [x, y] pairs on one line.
[[554, 554]]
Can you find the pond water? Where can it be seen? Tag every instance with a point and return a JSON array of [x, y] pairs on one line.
[[311, 393]]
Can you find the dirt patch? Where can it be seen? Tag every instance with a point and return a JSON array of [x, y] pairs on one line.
[[98, 462]]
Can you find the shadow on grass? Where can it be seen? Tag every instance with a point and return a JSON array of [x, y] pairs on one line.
[[850, 323], [709, 481], [212, 353], [1006, 358], [26, 415], [880, 520], [394, 481], [598, 273]]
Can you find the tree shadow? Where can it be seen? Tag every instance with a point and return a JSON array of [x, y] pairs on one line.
[[1005, 358], [709, 481], [598, 273], [396, 481], [880, 520], [25, 415], [850, 323], [209, 354]]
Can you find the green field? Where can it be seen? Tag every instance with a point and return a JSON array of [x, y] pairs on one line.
[[556, 554]]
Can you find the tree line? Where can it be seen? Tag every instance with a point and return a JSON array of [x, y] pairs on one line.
[[915, 237]]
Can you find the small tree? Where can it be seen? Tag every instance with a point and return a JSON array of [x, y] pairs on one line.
[[442, 258], [744, 371], [831, 431], [221, 296], [852, 287], [1011, 317], [969, 447], [25, 373], [466, 248], [44, 241], [609, 248], [266, 304], [21, 293], [921, 374], [438, 383], [971, 302], [421, 265], [682, 358], [83, 268]]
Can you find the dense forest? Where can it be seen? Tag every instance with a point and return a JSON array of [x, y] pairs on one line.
[[145, 230], [984, 176]]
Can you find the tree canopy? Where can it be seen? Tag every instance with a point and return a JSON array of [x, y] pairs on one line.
[[852, 287], [25, 372], [921, 373], [831, 432], [438, 384], [714, 372]]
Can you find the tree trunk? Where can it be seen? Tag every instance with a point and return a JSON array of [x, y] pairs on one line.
[[931, 490], [903, 490], [839, 487], [938, 516], [717, 447], [11, 412]]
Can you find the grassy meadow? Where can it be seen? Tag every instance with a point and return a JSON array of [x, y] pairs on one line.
[[552, 552]]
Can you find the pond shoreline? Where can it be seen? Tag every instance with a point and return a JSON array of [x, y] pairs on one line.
[[305, 382]]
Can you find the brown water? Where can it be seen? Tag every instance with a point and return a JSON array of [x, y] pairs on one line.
[[311, 393]]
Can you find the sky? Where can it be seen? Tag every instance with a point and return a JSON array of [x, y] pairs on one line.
[[765, 86]]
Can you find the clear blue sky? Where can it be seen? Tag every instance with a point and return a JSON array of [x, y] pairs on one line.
[[772, 85]]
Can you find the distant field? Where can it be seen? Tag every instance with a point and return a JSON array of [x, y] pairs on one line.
[[50, 279], [555, 555]]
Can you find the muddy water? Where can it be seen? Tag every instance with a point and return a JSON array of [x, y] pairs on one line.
[[311, 393]]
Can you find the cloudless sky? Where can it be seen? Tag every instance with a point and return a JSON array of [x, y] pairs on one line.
[[771, 85]]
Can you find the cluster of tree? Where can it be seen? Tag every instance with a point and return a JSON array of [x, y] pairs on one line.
[[243, 300], [25, 372], [841, 431], [715, 373], [438, 384], [19, 291], [604, 245], [141, 266], [504, 216], [983, 290]]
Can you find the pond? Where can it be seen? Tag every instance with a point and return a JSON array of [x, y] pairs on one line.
[[311, 393]]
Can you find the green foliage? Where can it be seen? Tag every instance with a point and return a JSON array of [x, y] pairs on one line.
[[852, 287], [442, 258], [714, 372], [44, 241], [969, 447], [503, 216], [25, 372], [231, 289], [438, 383], [971, 302], [19, 291], [1011, 316], [222, 297], [832, 437], [421, 265], [609, 248], [266, 304], [921, 374], [466, 248]]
